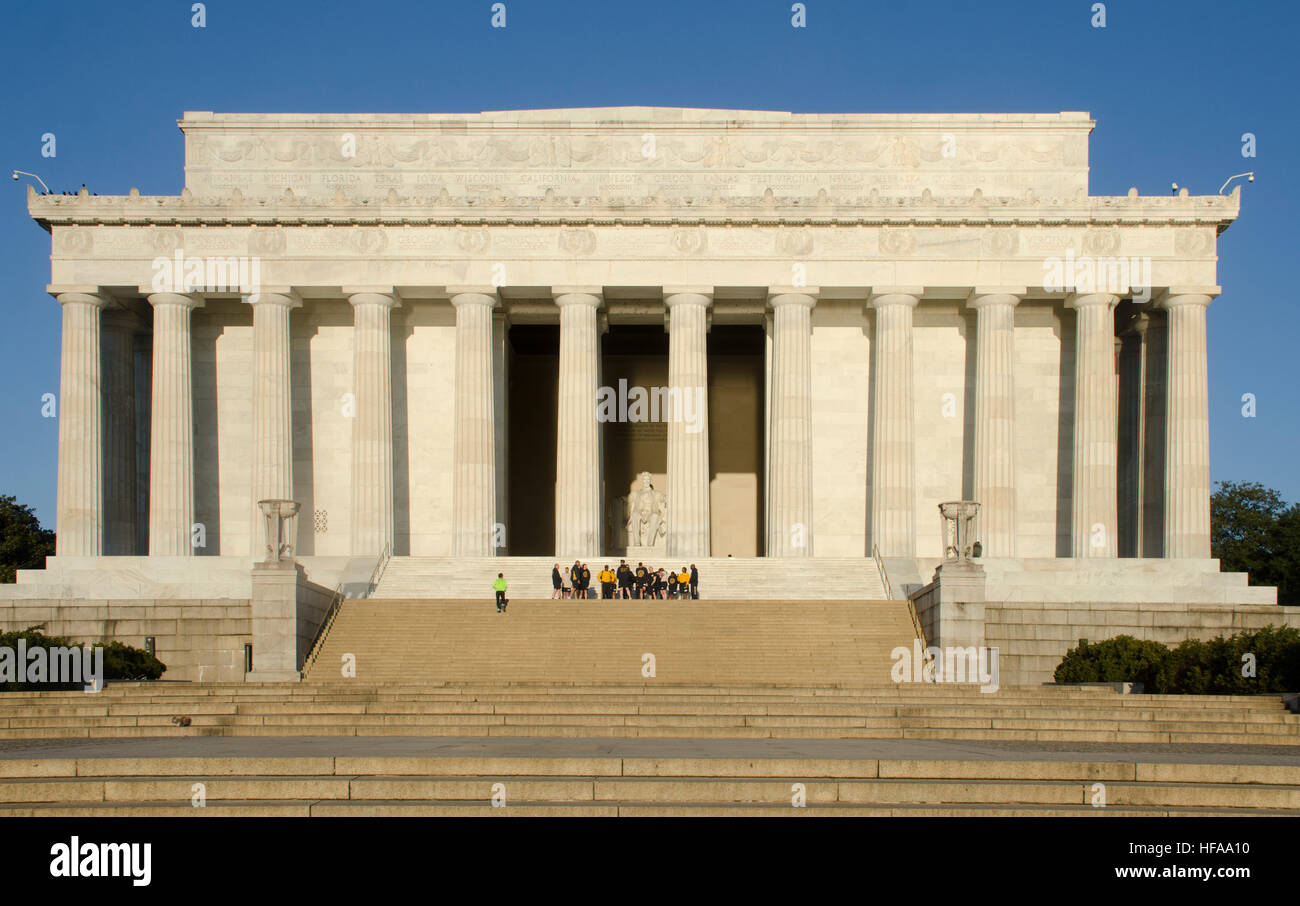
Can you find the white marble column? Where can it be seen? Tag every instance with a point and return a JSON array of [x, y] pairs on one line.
[[171, 428], [789, 500], [372, 426], [79, 519], [995, 419], [473, 509], [272, 409], [893, 427], [501, 429], [1096, 427], [120, 494], [577, 450], [688, 431], [1187, 438]]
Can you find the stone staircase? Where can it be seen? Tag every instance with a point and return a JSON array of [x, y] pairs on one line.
[[636, 786], [600, 641], [721, 578], [909, 711]]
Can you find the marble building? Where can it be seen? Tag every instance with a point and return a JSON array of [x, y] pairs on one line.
[[436, 334], [370, 315]]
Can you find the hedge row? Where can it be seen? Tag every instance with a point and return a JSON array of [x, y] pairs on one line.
[[1248, 663], [121, 662]]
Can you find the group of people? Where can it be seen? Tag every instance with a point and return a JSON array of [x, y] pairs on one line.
[[626, 582]]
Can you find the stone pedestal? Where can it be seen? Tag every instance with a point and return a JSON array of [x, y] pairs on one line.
[[275, 622], [646, 553], [959, 620]]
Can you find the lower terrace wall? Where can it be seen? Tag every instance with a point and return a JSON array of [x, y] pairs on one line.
[[1033, 637], [198, 640]]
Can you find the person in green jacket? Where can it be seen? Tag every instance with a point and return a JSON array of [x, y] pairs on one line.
[[499, 586]]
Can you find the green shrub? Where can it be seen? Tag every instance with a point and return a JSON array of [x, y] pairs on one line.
[[1122, 659], [121, 661], [1195, 667]]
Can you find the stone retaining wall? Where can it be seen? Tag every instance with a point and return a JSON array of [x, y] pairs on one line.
[[197, 639]]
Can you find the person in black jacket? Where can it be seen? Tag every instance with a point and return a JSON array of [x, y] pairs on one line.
[[586, 581], [624, 580], [642, 578], [557, 582], [695, 583], [575, 576]]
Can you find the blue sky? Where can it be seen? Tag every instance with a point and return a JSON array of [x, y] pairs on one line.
[[1172, 86]]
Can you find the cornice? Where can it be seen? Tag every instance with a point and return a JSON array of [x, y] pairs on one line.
[[874, 209]]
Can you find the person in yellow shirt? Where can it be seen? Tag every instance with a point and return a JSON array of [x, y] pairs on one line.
[[606, 579], [684, 583]]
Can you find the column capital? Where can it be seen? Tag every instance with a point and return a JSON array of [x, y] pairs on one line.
[[1174, 296], [184, 300], [82, 298], [577, 296], [282, 296], [477, 289], [684, 293], [361, 296], [464, 295], [880, 296], [578, 290], [981, 296], [1083, 300], [785, 295]]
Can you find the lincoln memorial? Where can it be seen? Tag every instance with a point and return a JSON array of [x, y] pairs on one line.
[[768, 343]]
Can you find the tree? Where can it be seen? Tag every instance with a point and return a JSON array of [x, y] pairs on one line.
[[23, 543], [1252, 530]]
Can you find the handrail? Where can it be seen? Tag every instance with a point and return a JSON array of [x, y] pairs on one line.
[[889, 595], [884, 574], [323, 630], [336, 603], [380, 565]]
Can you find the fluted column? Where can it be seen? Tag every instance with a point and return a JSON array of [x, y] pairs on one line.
[[473, 508], [171, 431], [79, 519], [1132, 437], [995, 420], [688, 432], [577, 449], [272, 408], [789, 501], [372, 427], [1096, 427], [117, 331], [1187, 438], [893, 460]]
